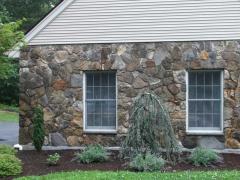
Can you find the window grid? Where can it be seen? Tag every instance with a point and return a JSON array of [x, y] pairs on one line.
[[103, 115], [203, 119]]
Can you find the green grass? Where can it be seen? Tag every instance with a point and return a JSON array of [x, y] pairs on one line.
[[6, 116], [96, 175], [4, 107], [8, 113]]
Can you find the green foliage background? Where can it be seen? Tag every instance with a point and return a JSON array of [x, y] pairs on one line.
[[16, 17]]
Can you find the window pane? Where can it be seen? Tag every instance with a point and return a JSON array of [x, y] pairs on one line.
[[192, 78], [216, 92], [208, 78], [98, 120], [97, 93], [112, 107], [90, 119], [200, 78], [105, 121], [112, 93], [89, 79], [200, 107], [207, 106], [105, 107], [192, 106], [91, 107], [112, 79], [208, 92], [216, 78], [112, 120], [216, 120], [98, 107], [97, 79], [104, 79], [192, 92], [89, 92], [200, 92], [216, 107], [192, 121], [104, 93], [208, 120], [200, 119]]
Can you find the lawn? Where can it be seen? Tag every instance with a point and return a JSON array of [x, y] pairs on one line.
[[124, 175], [6, 116], [8, 113]]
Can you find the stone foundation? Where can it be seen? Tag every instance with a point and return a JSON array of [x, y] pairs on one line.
[[52, 76]]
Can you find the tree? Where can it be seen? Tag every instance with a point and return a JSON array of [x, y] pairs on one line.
[[38, 128], [150, 129], [31, 10], [9, 36]]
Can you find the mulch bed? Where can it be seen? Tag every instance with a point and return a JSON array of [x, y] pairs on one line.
[[34, 163]]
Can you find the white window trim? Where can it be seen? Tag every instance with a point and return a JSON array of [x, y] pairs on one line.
[[206, 132], [97, 131]]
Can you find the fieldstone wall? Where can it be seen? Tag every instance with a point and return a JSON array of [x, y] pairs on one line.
[[52, 76]]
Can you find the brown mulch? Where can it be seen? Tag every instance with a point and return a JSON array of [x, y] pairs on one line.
[[34, 163]]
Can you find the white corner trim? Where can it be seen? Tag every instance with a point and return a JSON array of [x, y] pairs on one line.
[[49, 18]]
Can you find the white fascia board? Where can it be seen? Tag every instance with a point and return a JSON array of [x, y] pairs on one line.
[[48, 19]]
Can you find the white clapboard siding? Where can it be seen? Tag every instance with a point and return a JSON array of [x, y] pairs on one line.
[[119, 21]]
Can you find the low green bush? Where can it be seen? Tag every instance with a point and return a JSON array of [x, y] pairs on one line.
[[53, 159], [148, 162], [5, 149], [203, 156], [93, 153], [9, 165]]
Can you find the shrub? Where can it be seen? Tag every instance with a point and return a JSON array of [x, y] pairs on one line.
[[148, 162], [203, 156], [38, 129], [9, 165], [93, 153], [4, 149], [53, 159]]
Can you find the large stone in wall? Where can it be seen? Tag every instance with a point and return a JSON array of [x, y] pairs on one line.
[[76, 80], [57, 139], [210, 142]]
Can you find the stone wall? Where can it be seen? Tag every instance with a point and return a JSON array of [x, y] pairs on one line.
[[52, 76]]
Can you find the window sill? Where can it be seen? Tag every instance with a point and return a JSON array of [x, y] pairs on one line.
[[98, 131], [205, 133]]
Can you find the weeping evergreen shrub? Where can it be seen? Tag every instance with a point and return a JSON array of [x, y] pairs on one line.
[[38, 128], [150, 130]]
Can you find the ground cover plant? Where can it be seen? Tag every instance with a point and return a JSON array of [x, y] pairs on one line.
[[53, 159], [148, 162], [203, 156], [96, 175], [93, 153]]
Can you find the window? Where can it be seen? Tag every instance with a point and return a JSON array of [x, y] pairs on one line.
[[205, 102], [100, 101]]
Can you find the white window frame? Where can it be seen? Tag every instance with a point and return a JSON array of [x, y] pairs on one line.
[[206, 132], [96, 131]]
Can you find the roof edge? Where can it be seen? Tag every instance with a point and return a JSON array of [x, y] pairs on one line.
[[49, 18]]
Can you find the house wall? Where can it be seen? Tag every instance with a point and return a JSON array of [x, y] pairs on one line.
[[52, 76]]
